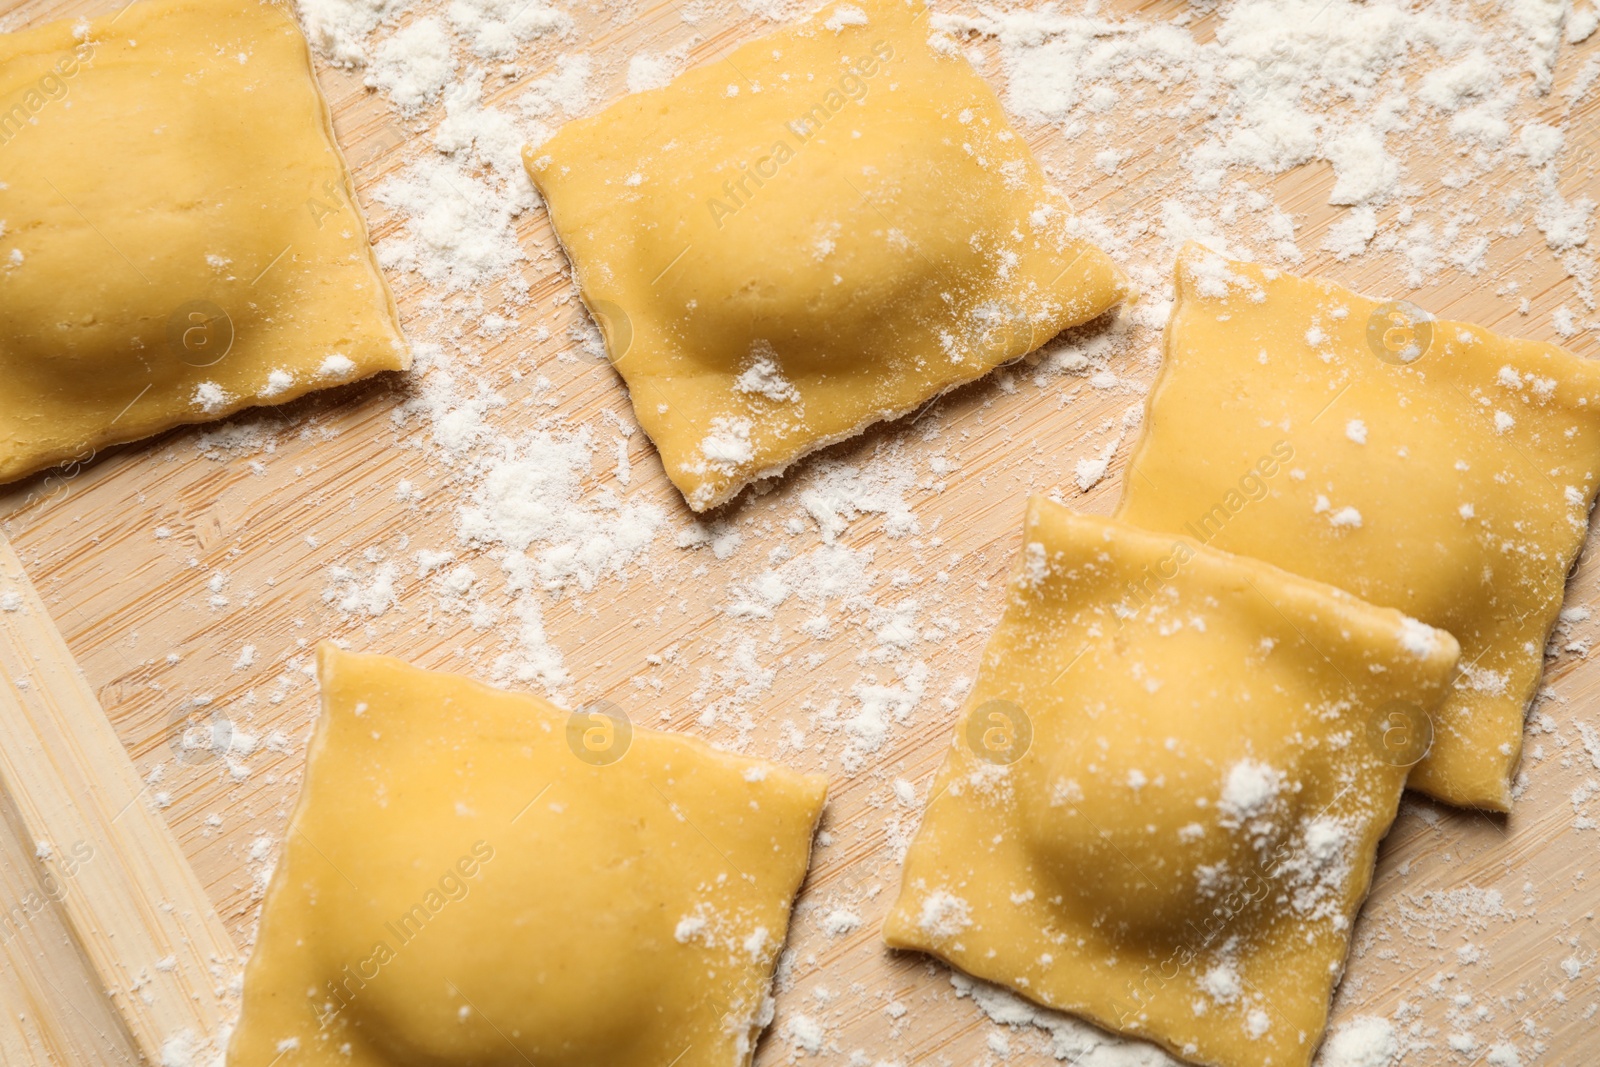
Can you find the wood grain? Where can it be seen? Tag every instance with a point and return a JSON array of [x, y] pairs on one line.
[[316, 489], [52, 1006], [110, 870]]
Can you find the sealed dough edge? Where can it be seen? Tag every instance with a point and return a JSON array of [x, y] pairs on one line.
[[704, 498], [466, 863], [1101, 270], [342, 318], [1117, 652], [1542, 448]]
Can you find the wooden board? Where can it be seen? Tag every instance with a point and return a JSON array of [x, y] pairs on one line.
[[154, 627], [109, 880]]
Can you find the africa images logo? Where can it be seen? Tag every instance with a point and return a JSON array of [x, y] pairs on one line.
[[18, 113], [452, 887], [852, 85]]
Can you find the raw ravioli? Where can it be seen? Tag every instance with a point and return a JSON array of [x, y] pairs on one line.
[[474, 876], [1163, 802], [829, 227], [179, 237], [1430, 466]]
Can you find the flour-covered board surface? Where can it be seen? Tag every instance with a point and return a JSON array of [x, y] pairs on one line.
[[497, 512]]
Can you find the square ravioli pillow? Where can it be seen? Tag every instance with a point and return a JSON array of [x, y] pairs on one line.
[[476, 877], [179, 237], [828, 227], [1429, 466], [1163, 801]]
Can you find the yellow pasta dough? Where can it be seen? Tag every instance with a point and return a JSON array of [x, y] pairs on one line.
[[1434, 467], [475, 877], [179, 237], [1163, 803], [828, 227]]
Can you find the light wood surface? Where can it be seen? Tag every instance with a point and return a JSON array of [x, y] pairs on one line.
[[53, 1008], [108, 868], [1435, 949]]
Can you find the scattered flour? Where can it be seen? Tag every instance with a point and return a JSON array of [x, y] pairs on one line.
[[1249, 790], [533, 496], [1364, 1041], [1288, 82], [841, 921], [764, 378], [728, 443], [211, 398], [494, 28], [339, 28], [414, 65], [1068, 1039], [805, 1033], [646, 70], [457, 231], [564, 93], [944, 915]]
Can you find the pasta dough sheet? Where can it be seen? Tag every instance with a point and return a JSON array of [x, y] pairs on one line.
[[474, 876], [179, 237], [1163, 801], [1430, 466], [829, 227]]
